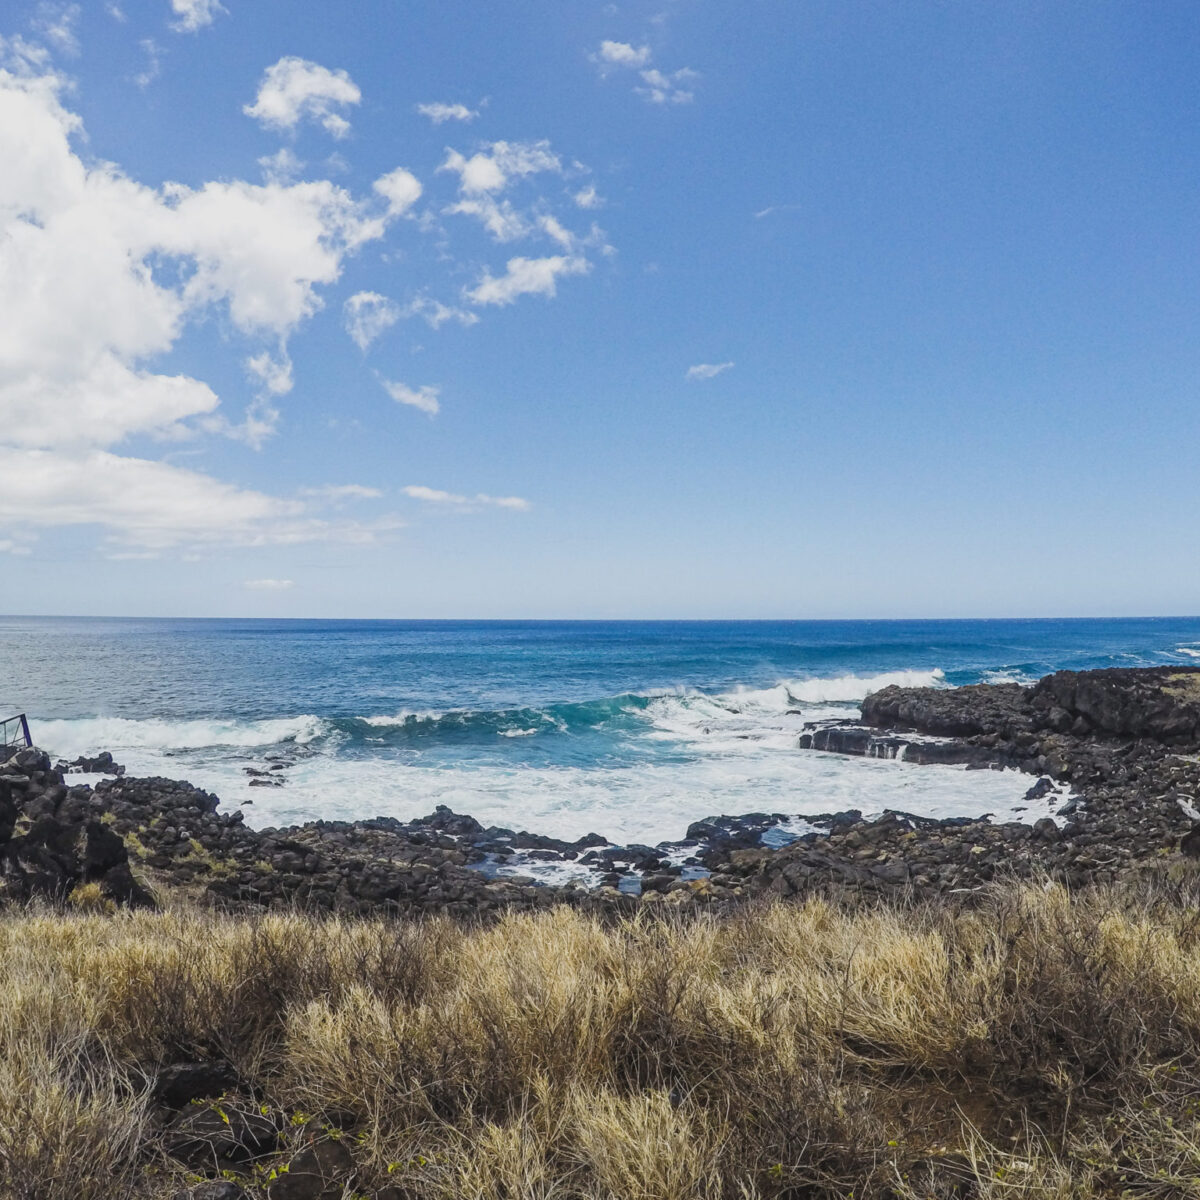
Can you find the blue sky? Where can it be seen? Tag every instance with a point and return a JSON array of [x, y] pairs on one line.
[[768, 309]]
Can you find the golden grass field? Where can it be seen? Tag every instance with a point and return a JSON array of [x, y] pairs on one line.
[[1024, 1044]]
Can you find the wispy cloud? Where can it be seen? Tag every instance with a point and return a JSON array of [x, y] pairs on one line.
[[336, 493], [367, 315], [772, 209], [708, 370], [439, 113], [269, 585], [56, 23], [153, 68], [453, 500], [425, 398], [526, 277], [588, 197]]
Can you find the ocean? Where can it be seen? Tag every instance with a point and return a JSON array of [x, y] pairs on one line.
[[629, 729]]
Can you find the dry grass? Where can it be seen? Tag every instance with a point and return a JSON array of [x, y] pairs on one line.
[[1029, 1045]]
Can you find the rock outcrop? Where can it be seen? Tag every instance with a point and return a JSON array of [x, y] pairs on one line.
[[1113, 752]]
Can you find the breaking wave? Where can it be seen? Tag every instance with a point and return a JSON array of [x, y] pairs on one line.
[[634, 767]]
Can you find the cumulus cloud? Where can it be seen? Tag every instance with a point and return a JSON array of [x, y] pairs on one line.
[[621, 54], [295, 90], [657, 86], [453, 500], [526, 277], [588, 197], [192, 15], [707, 370], [367, 315], [440, 113], [497, 165], [400, 188], [425, 398], [76, 376], [269, 585]]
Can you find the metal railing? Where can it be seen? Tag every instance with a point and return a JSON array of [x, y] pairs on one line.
[[15, 732]]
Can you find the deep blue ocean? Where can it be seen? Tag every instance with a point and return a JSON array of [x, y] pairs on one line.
[[632, 729]]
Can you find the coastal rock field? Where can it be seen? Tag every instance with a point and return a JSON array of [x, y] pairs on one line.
[[1115, 752], [894, 1008]]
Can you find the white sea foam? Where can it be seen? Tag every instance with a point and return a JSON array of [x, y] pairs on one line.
[[649, 801], [1009, 676], [1190, 651], [841, 689], [71, 738], [404, 717], [697, 755]]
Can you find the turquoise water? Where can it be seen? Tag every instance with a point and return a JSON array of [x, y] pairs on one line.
[[633, 729]]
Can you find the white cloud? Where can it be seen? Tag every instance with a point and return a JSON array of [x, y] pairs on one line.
[[436, 314], [153, 68], [295, 89], [667, 88], [273, 372], [771, 209], [269, 585], [622, 54], [430, 495], [657, 87], [9, 546], [588, 198], [159, 506], [116, 12], [425, 398], [439, 113], [56, 23], [194, 14], [707, 370], [526, 277], [281, 167], [75, 377], [367, 315], [400, 188], [335, 493], [498, 217], [494, 168]]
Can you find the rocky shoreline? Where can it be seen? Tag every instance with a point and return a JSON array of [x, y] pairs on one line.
[[1123, 745]]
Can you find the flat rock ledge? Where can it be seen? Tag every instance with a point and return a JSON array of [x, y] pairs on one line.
[[1126, 743]]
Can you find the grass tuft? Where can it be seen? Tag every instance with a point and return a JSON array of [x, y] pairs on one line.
[[1025, 1044]]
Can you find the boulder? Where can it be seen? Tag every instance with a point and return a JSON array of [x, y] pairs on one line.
[[319, 1172]]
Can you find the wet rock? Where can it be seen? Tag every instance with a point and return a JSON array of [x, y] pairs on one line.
[[1043, 787], [102, 764]]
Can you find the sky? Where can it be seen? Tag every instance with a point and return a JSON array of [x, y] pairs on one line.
[[541, 308]]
